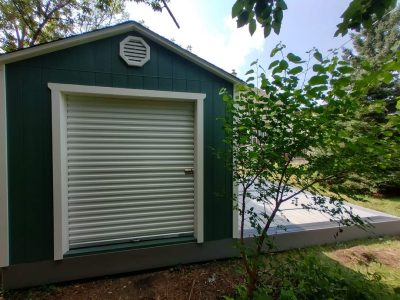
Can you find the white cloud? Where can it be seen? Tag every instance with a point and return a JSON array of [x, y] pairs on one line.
[[213, 36]]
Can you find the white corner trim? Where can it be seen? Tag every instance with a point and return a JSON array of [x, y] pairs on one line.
[[4, 234], [58, 97]]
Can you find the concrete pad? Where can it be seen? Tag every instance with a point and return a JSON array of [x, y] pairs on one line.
[[294, 218]]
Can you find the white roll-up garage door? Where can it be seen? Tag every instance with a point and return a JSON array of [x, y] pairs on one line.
[[126, 162]]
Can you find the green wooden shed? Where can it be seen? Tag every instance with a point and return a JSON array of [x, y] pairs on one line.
[[107, 157]]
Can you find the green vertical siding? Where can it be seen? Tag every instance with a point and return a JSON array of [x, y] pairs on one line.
[[29, 132]]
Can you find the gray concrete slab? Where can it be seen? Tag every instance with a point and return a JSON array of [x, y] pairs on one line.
[[292, 217]]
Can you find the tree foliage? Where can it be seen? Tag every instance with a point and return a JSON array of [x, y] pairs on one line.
[[269, 14], [373, 47], [26, 23], [315, 117]]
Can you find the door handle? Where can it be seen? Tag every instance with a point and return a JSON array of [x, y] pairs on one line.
[[189, 171]]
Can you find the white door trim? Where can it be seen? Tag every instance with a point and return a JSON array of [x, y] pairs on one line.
[[4, 234], [58, 93]]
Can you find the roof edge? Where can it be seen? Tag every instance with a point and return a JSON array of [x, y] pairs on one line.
[[109, 32]]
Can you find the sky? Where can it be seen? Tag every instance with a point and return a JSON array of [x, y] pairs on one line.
[[207, 26]]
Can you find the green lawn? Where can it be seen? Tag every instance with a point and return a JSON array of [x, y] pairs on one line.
[[363, 269], [380, 256], [387, 205]]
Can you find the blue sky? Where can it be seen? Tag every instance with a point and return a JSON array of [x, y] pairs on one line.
[[207, 26]]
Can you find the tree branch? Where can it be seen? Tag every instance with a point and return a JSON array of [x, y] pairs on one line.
[[45, 21], [285, 167], [307, 186], [171, 14]]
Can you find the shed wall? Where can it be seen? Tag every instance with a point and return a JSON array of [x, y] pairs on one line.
[[29, 132]]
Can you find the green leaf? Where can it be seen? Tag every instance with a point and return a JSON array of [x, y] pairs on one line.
[[294, 58], [275, 50], [318, 68], [319, 88], [318, 79], [281, 4], [243, 18], [283, 64], [343, 81], [296, 70], [278, 16], [398, 105], [254, 62], [345, 69], [262, 8], [388, 133], [249, 72], [273, 64], [267, 30], [251, 78], [252, 26], [387, 77], [343, 133], [276, 27], [318, 56], [237, 8]]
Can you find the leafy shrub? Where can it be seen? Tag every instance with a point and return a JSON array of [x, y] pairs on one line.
[[312, 276]]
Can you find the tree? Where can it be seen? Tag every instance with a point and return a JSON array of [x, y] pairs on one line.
[[25, 23], [269, 14], [293, 115], [373, 47]]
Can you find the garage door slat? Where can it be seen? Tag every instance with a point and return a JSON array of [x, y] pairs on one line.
[[125, 168]]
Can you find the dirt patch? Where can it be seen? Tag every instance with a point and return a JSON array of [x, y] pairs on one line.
[[203, 281], [362, 255]]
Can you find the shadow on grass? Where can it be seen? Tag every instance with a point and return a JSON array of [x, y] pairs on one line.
[[312, 274]]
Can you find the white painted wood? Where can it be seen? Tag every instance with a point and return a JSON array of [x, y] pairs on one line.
[[112, 31], [83, 118], [134, 51], [60, 208], [100, 91], [199, 172], [4, 235], [65, 43]]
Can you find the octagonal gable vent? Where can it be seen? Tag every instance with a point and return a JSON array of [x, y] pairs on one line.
[[134, 51]]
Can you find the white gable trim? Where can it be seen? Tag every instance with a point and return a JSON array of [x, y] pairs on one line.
[[4, 239], [64, 43], [112, 31]]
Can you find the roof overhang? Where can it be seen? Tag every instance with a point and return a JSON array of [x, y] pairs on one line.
[[109, 32]]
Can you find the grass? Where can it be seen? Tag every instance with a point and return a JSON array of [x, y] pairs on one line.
[[363, 269], [376, 256], [389, 205]]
